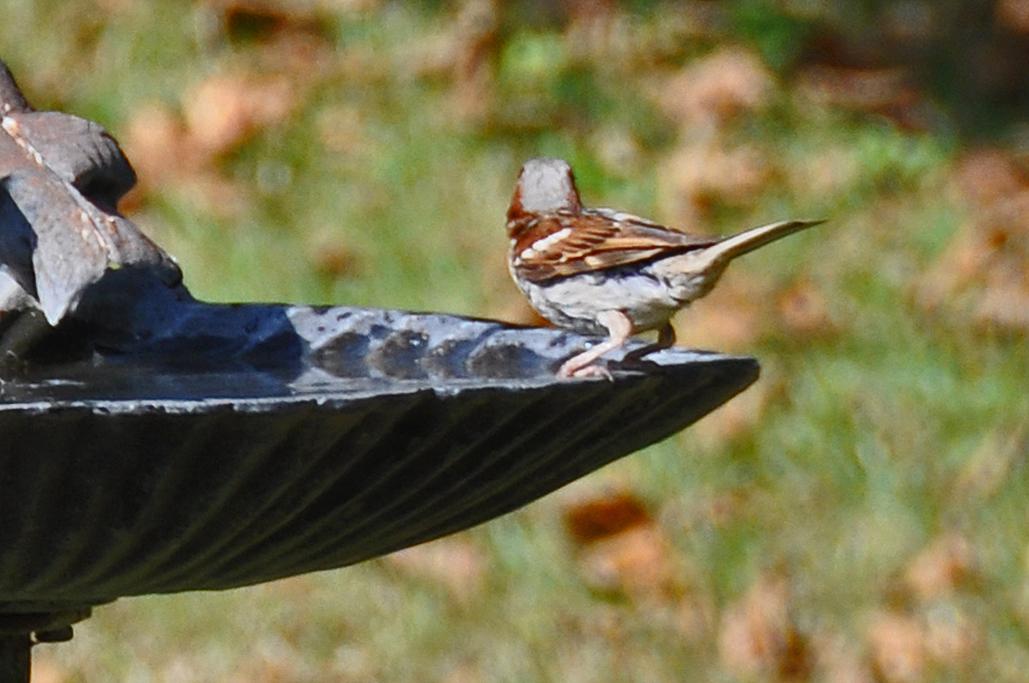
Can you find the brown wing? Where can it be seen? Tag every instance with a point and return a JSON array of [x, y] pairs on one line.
[[562, 244]]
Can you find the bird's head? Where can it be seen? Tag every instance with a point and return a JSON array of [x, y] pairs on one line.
[[544, 186]]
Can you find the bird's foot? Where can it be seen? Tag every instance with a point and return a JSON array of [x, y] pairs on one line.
[[570, 371]]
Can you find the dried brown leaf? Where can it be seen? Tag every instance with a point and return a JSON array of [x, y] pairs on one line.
[[986, 176], [155, 140], [453, 562], [717, 88], [730, 318], [941, 567], [840, 659], [897, 644], [601, 517], [701, 175], [829, 173], [637, 562], [731, 421], [224, 110], [759, 637], [804, 312], [887, 91], [267, 20], [982, 274], [342, 129], [865, 89], [334, 259], [474, 43]]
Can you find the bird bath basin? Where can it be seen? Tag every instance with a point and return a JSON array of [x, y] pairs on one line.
[[127, 476], [152, 443]]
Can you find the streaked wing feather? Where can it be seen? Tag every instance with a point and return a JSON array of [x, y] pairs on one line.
[[602, 239]]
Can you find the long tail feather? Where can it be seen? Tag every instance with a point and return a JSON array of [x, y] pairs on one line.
[[749, 240]]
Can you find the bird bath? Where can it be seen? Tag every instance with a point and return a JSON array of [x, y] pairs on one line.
[[153, 443]]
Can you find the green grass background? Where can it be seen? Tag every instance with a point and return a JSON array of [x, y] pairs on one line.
[[862, 453]]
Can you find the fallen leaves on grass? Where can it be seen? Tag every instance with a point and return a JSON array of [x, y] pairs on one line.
[[333, 258], [804, 312], [840, 659], [715, 89], [156, 143], [180, 149], [244, 20], [932, 630], [474, 43], [271, 660], [720, 509], [947, 563], [603, 516], [621, 548], [897, 644], [342, 129], [705, 174], [952, 637], [882, 90], [226, 109], [982, 273], [907, 646], [759, 637], [987, 176], [637, 563], [731, 318], [733, 420], [165, 157], [454, 562], [832, 172]]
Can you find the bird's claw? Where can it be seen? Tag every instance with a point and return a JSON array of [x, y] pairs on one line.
[[586, 372]]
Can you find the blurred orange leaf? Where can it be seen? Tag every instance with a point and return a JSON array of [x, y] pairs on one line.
[[603, 516], [226, 109], [702, 175], [942, 566], [453, 562], [804, 312], [983, 272], [716, 88], [897, 644], [733, 317], [637, 562], [759, 637]]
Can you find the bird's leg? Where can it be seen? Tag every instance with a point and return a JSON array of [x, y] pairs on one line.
[[619, 329], [666, 336], [665, 339]]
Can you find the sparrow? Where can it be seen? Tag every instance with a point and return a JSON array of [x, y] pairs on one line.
[[605, 272]]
